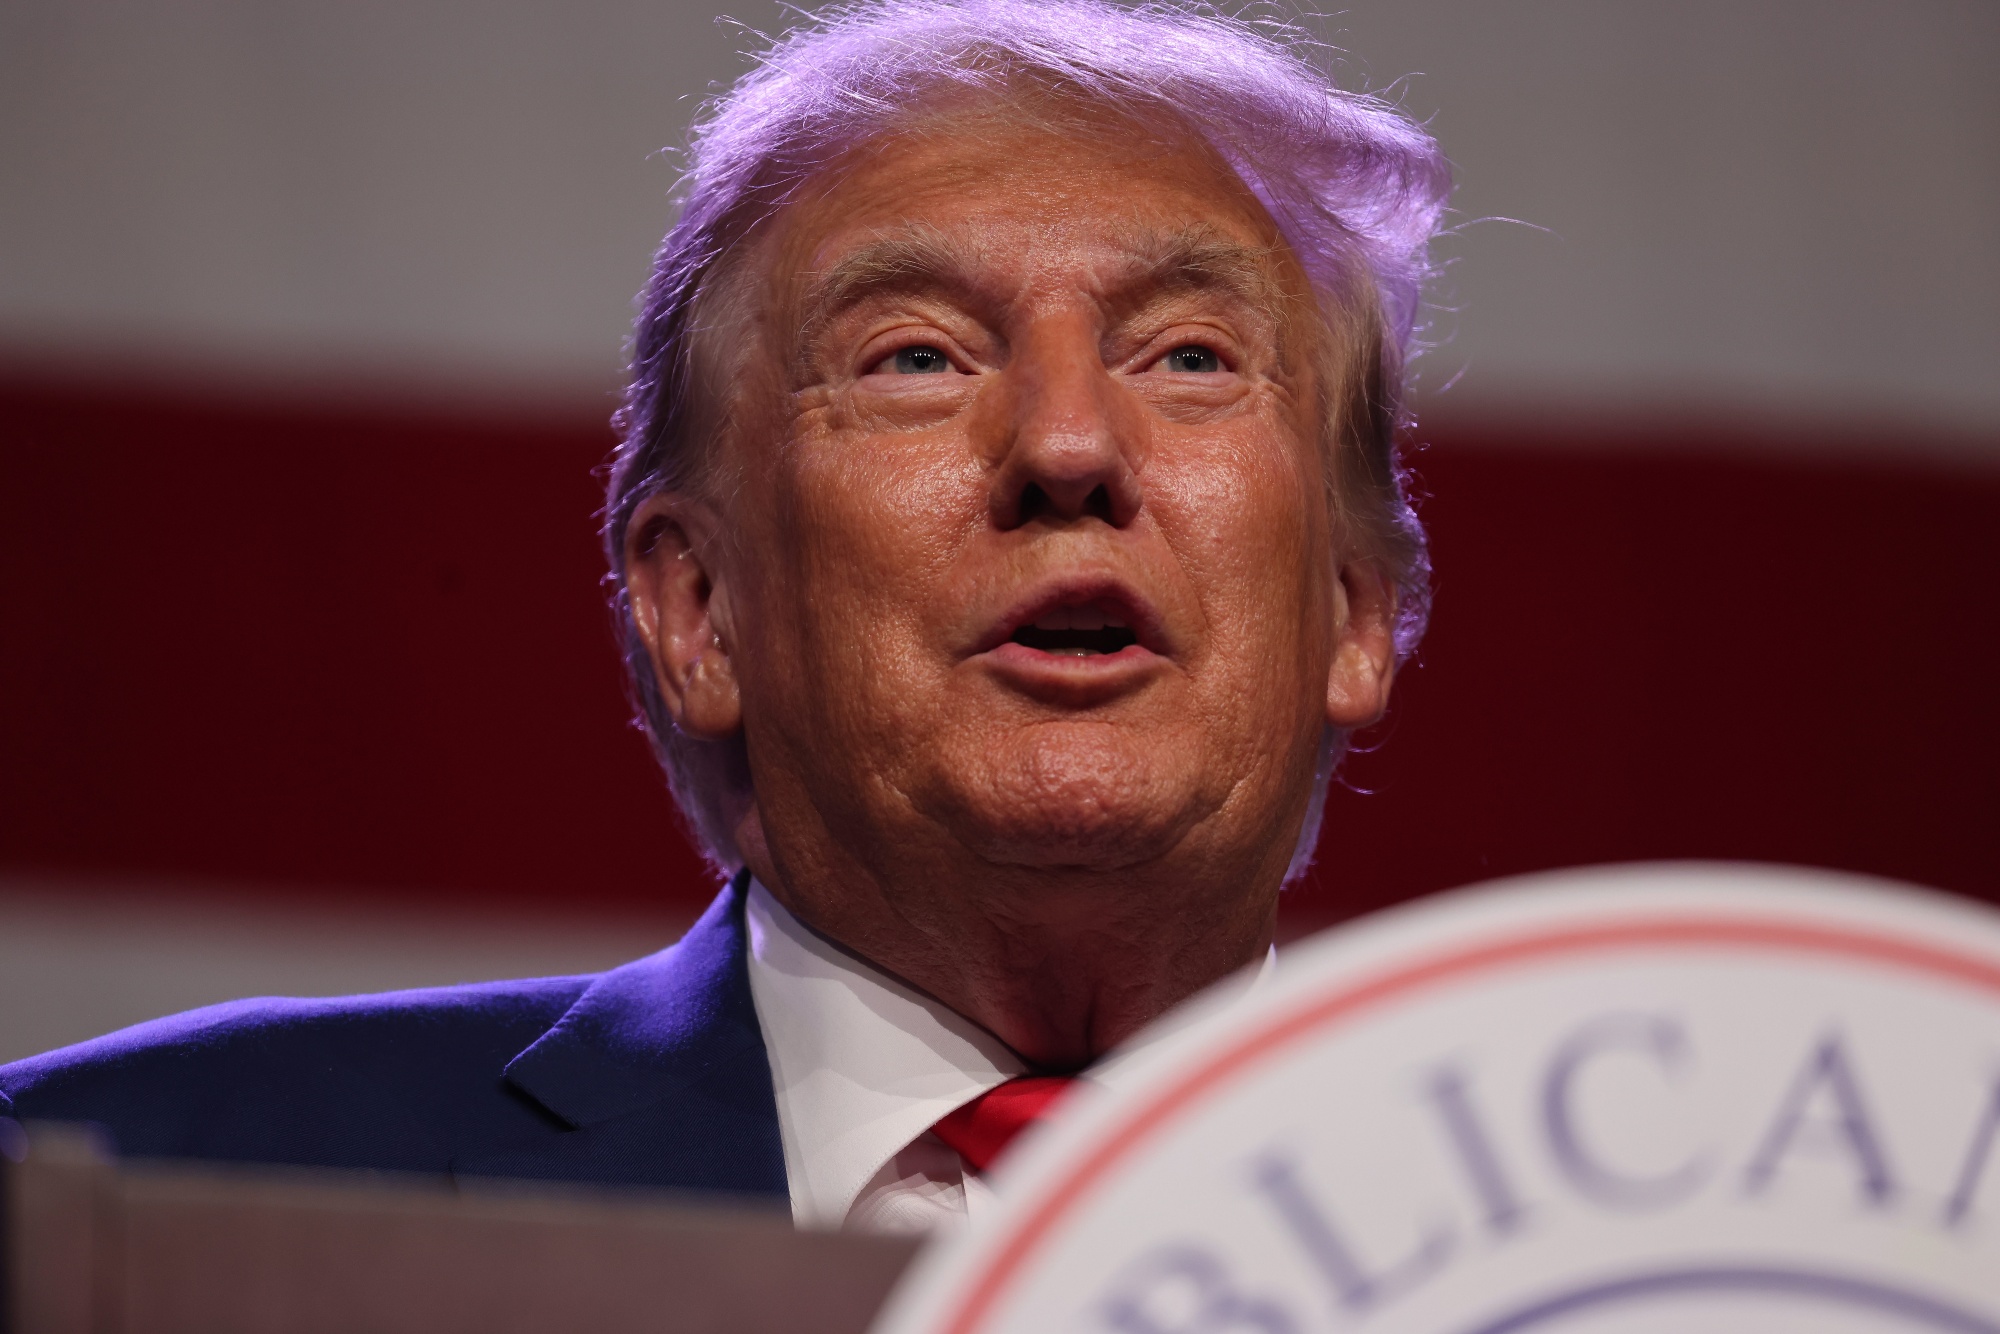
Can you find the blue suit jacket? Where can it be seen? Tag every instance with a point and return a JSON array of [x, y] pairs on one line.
[[651, 1074]]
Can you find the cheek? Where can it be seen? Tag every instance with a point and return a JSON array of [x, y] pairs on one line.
[[874, 522], [1245, 515]]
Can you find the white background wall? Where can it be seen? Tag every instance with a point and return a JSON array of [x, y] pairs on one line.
[[1786, 205]]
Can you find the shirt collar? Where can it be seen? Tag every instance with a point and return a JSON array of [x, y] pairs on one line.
[[861, 1062]]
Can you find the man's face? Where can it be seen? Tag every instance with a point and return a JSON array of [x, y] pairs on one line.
[[1022, 556]]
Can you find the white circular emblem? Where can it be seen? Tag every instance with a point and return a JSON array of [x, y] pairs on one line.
[[1644, 1099]]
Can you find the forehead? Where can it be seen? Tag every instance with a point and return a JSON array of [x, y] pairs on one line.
[[1076, 201]]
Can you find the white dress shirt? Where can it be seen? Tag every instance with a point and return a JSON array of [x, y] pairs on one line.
[[863, 1065]]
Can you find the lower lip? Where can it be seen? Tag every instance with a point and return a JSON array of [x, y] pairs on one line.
[[1020, 658]]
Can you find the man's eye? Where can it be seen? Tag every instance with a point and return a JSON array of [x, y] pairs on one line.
[[1192, 357], [920, 360]]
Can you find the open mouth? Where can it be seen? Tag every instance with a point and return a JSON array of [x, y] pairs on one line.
[[1087, 631]]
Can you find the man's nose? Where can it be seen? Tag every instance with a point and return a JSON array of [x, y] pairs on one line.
[[1073, 440]]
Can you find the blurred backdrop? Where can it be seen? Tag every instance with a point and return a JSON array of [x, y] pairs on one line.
[[311, 319]]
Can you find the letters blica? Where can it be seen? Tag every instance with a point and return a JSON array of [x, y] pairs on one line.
[[1824, 1112]]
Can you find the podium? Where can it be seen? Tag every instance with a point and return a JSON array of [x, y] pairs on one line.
[[90, 1244]]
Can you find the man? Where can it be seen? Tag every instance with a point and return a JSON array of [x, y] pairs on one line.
[[1007, 536]]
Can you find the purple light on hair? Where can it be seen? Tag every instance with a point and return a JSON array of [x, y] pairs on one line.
[[1356, 188]]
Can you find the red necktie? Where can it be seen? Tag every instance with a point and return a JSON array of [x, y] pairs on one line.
[[984, 1127]]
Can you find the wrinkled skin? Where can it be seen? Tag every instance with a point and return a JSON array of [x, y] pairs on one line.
[[1058, 847]]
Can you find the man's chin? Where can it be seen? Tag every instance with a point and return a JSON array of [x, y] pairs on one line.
[[1080, 826]]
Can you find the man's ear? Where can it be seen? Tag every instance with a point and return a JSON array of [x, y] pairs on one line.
[[675, 602], [1364, 647]]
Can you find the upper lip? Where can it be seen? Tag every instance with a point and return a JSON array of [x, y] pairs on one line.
[[1116, 600]]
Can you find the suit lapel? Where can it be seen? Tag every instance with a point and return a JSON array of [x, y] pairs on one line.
[[657, 1074]]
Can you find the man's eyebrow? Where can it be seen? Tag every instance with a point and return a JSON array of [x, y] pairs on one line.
[[1202, 259], [918, 258], [915, 259]]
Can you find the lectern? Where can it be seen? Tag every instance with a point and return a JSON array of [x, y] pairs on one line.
[[95, 1245]]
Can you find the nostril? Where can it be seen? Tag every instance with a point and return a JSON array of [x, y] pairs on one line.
[[1036, 503]]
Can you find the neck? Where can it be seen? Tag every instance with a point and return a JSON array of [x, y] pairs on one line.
[[1061, 964]]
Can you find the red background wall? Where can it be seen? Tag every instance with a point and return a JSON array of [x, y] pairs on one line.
[[336, 647]]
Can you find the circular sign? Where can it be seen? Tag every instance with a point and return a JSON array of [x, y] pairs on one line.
[[1626, 1100]]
